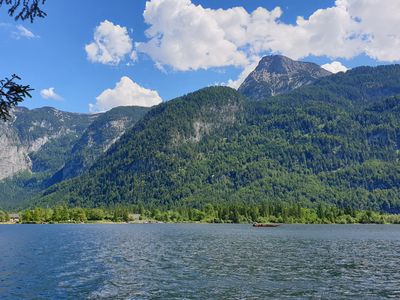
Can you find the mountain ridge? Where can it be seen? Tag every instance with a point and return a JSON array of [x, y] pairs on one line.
[[279, 74]]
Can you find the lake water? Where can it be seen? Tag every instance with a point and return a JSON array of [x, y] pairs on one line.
[[193, 261]]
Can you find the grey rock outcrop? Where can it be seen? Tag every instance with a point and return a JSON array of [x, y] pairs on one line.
[[31, 137], [14, 156], [279, 74]]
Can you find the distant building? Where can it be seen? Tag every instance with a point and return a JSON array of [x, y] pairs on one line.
[[14, 218]]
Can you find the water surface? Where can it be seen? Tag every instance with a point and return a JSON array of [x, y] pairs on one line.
[[193, 261]]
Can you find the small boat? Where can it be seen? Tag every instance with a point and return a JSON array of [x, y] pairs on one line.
[[265, 225]]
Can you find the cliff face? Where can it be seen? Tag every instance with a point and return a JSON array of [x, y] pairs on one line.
[[279, 74], [41, 147], [47, 140], [38, 140], [14, 156]]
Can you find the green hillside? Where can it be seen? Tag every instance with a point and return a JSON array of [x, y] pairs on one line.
[[336, 141]]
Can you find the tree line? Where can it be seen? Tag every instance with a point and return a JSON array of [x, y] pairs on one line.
[[265, 212]]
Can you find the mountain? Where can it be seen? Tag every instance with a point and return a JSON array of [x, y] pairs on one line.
[[14, 157], [335, 141], [43, 146], [279, 74], [39, 140], [158, 155], [98, 137]]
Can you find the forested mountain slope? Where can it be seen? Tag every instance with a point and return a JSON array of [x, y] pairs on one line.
[[158, 155], [336, 141]]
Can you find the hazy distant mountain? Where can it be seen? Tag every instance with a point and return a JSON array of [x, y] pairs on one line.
[[279, 74], [39, 140]]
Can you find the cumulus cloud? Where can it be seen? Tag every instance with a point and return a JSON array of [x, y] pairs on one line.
[[335, 67], [111, 44], [125, 93], [186, 36], [51, 94], [376, 23]]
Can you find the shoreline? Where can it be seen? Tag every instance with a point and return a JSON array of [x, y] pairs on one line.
[[172, 223]]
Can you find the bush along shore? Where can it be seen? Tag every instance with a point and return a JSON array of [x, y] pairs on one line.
[[207, 213]]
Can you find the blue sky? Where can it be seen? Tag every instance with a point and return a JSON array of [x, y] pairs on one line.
[[53, 53]]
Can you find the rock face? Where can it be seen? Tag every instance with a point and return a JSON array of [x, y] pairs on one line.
[[14, 157], [279, 74], [46, 140], [38, 139]]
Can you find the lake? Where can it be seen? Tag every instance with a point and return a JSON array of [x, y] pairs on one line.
[[199, 261]]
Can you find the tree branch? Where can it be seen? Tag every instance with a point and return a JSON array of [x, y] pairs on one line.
[[24, 9], [11, 93]]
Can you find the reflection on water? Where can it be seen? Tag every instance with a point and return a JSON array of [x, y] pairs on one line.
[[189, 261]]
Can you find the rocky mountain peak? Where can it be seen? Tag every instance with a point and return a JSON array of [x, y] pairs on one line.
[[277, 74], [278, 64]]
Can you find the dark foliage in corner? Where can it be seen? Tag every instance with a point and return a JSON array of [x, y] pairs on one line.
[[26, 9], [11, 93]]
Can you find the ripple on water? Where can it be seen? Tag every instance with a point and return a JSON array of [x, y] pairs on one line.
[[199, 262]]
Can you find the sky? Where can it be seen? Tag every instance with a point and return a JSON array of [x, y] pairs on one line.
[[89, 56]]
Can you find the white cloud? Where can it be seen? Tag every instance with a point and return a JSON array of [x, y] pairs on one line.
[[335, 67], [133, 56], [111, 44], [186, 36], [125, 93], [378, 23], [50, 93], [23, 32], [18, 31]]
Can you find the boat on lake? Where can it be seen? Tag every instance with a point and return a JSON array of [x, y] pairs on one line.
[[265, 225]]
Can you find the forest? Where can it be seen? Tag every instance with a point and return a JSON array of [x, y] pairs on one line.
[[264, 212]]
